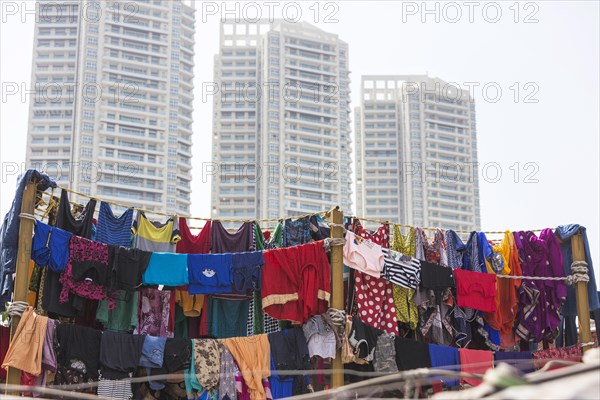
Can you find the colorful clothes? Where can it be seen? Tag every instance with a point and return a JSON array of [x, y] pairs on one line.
[[296, 232], [154, 236], [114, 230], [153, 313]]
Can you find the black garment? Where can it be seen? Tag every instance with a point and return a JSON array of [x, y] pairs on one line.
[[80, 343], [224, 242], [127, 267], [436, 277], [120, 354], [78, 226], [363, 338], [289, 351], [90, 270], [319, 229], [411, 354], [177, 356]]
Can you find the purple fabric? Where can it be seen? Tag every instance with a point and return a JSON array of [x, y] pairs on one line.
[[224, 242], [48, 355], [539, 301]]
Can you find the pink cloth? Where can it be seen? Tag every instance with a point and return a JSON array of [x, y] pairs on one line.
[[475, 362]]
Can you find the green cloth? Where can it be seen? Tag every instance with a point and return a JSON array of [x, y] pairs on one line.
[[227, 318], [124, 317], [181, 323]]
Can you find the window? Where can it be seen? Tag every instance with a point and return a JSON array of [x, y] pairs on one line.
[[85, 152], [92, 53]]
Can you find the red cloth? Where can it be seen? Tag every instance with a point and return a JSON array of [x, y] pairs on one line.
[[541, 357], [4, 343], [475, 362], [375, 302], [190, 244], [296, 282], [475, 290]]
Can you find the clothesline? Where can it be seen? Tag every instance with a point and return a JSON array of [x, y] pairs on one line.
[[277, 219]]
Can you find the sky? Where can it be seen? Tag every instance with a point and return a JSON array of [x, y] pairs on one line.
[[533, 68]]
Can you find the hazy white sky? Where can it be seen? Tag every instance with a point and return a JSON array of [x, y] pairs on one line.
[[546, 52]]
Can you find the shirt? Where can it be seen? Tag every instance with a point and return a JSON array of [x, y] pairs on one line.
[[158, 237], [114, 230], [168, 269], [363, 255], [475, 290]]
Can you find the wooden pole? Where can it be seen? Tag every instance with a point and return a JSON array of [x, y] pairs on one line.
[[22, 268], [581, 292], [337, 289]]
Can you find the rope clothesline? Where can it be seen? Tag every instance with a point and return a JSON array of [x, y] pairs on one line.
[[277, 219]]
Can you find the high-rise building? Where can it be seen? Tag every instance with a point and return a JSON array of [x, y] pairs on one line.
[[416, 152], [281, 122], [112, 110]]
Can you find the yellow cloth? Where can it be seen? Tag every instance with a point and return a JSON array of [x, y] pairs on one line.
[[253, 355], [406, 310], [25, 350], [190, 303], [163, 234]]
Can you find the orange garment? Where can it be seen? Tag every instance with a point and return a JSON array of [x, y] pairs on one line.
[[475, 362], [25, 350], [507, 301], [253, 355], [190, 303]]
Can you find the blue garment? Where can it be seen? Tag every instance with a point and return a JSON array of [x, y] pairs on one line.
[[247, 270], [444, 357], [9, 232], [485, 250], [50, 247], [168, 269], [296, 232], [113, 230], [522, 360], [565, 233], [280, 387], [153, 352], [455, 249], [471, 254], [210, 273]]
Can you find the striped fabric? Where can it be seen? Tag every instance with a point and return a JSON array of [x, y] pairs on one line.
[[115, 389], [401, 269], [113, 230]]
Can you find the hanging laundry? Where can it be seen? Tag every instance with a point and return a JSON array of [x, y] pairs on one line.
[[252, 354], [406, 310], [114, 389], [168, 269], [411, 354], [320, 337], [289, 352], [401, 269], [153, 313], [296, 232], [542, 357], [445, 357], [124, 317], [9, 231], [191, 304], [363, 339], [259, 321], [25, 350], [127, 267], [384, 359], [87, 271], [246, 270], [153, 350], [374, 296], [296, 282], [114, 230], [224, 242], [275, 241], [475, 290], [455, 249], [120, 354], [539, 301], [81, 227], [177, 358], [194, 244], [50, 247], [475, 362], [226, 318], [203, 375], [78, 354], [522, 360], [320, 229], [507, 302], [227, 375], [151, 236], [210, 273], [363, 255]]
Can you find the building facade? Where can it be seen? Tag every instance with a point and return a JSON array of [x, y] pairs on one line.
[[112, 110], [416, 152], [281, 122]]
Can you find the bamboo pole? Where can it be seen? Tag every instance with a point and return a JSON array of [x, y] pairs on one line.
[[581, 293], [22, 267], [337, 289]]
